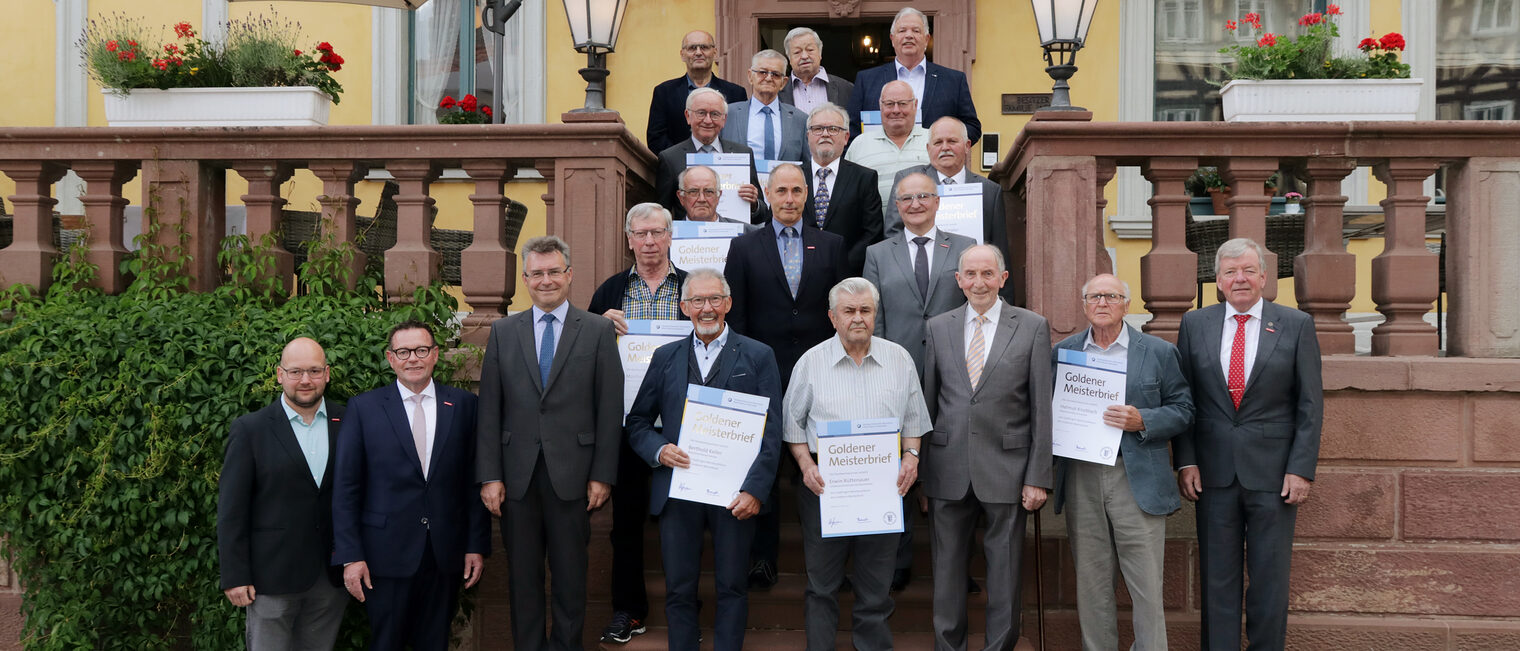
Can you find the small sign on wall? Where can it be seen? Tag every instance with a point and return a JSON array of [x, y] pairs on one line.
[[1024, 103]]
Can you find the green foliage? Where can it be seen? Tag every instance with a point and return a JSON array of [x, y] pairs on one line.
[[113, 424], [1310, 55]]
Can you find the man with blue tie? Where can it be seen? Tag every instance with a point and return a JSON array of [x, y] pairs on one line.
[[405, 527], [775, 130]]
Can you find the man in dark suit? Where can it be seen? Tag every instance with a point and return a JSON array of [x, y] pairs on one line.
[[406, 527], [1249, 460], [1116, 514], [988, 384], [773, 129], [706, 113], [666, 126], [551, 414], [940, 91], [274, 511], [846, 191], [810, 86], [714, 357], [781, 276]]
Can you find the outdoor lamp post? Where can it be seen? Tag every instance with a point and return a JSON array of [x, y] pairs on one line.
[[594, 26], [1063, 29]]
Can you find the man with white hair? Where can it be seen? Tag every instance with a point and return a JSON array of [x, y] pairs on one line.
[[773, 129], [940, 91], [842, 196], [810, 85], [706, 113]]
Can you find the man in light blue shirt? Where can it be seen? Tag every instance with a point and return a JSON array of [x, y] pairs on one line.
[[775, 130]]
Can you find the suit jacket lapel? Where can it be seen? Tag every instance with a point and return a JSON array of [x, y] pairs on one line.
[[931, 82], [562, 346], [1266, 341], [1213, 336], [1006, 327], [772, 256], [444, 424], [333, 423], [1132, 360], [287, 438], [958, 340], [900, 257], [942, 261], [529, 349], [401, 424], [725, 361]]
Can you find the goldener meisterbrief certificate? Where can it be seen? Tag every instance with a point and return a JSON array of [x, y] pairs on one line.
[[721, 433], [859, 462], [1085, 386]]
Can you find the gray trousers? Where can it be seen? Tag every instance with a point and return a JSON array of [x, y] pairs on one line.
[[872, 578], [1108, 529], [305, 621], [952, 530]]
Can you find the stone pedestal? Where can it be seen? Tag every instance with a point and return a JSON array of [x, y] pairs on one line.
[[1059, 249], [1483, 258], [186, 202]]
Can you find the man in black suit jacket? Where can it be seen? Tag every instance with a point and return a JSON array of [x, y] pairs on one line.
[[706, 113], [666, 125], [853, 208], [810, 86], [940, 91], [787, 311], [406, 526], [274, 510], [1249, 459]]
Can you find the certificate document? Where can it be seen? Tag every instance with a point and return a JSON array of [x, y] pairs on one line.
[[721, 432], [1085, 386], [859, 462], [733, 171], [702, 245], [870, 121], [960, 210], [763, 170], [637, 347]]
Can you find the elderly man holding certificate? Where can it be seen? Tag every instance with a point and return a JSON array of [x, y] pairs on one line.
[[718, 394], [862, 380]]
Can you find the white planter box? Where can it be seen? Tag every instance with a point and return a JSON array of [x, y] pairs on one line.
[[217, 107], [1316, 100]]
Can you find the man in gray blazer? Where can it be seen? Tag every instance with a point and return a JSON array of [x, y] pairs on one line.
[[1117, 514], [551, 416], [810, 86], [773, 129], [987, 381], [1249, 460]]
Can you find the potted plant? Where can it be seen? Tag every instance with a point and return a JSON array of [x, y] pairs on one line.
[[467, 110], [1206, 180], [1291, 203], [1300, 78], [257, 76]]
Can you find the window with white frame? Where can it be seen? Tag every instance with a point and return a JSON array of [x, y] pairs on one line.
[[1496, 17], [1178, 115], [1477, 64], [1497, 110], [1179, 21]]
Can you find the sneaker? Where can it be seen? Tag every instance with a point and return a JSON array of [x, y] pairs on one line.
[[622, 628]]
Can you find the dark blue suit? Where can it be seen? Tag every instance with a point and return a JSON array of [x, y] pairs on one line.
[[413, 532], [945, 93], [746, 366], [667, 110]]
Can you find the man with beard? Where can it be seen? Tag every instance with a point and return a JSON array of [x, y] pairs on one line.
[[666, 127], [842, 196], [718, 358], [274, 511]]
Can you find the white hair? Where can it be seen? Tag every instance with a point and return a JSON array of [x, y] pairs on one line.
[[646, 210], [798, 32], [722, 101], [997, 255], [828, 108], [681, 177], [700, 273], [1238, 247], [856, 286], [768, 54], [909, 11], [1087, 285], [960, 127]]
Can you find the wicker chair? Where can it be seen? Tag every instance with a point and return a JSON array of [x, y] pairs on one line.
[[62, 238], [1285, 237]]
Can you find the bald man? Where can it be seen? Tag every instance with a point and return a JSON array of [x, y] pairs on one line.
[[277, 481], [667, 106]]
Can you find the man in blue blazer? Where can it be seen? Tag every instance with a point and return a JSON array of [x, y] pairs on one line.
[[1250, 457], [407, 525], [667, 104], [940, 91], [718, 358], [788, 125], [1116, 515]]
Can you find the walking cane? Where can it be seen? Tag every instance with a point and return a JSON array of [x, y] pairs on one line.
[[1039, 582]]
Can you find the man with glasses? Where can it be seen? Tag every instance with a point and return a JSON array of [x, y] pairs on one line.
[[842, 196], [810, 85], [900, 144], [706, 113], [713, 356], [940, 91], [650, 289], [773, 129], [277, 481], [406, 528], [698, 190], [551, 414], [1116, 515], [666, 126]]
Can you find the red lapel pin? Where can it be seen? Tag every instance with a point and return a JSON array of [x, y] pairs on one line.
[[1271, 329], [448, 403]]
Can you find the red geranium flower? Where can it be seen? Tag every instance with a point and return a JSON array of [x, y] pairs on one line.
[[110, 46], [448, 102], [1367, 45], [183, 30], [171, 48], [1267, 41], [296, 52], [486, 110], [1230, 25], [1333, 10], [1254, 19], [468, 103], [131, 43], [1391, 41], [324, 46], [1310, 19]]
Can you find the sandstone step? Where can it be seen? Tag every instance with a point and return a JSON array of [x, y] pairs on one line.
[[762, 640]]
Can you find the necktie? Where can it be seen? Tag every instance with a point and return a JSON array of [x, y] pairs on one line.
[[821, 197], [546, 350], [921, 267], [793, 259], [949, 180], [1237, 378], [770, 133], [707, 149], [976, 351], [419, 432]]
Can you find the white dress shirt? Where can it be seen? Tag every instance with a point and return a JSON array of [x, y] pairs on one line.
[[717, 145], [1253, 337], [708, 353], [958, 177], [828, 385], [933, 235], [988, 329], [559, 327], [914, 77], [1119, 350], [833, 169], [429, 412]]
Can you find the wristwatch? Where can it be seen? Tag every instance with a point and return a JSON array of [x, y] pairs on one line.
[[912, 451]]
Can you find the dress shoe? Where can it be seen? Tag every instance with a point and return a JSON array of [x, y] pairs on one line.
[[762, 575]]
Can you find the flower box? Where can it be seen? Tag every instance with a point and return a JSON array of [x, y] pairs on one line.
[[218, 107], [1314, 100]]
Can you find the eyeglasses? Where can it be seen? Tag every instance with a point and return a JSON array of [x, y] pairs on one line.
[[698, 47], [820, 129], [653, 233], [704, 114], [699, 192], [898, 104], [542, 274], [300, 373], [772, 74], [1095, 299], [406, 353], [704, 301], [922, 197]]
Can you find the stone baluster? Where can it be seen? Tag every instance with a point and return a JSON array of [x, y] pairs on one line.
[[1061, 207], [1324, 275], [186, 210], [1106, 169], [1248, 208], [488, 266], [29, 258], [104, 209], [1483, 258], [338, 203], [265, 210], [1405, 280], [585, 204], [412, 262], [1169, 272]]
